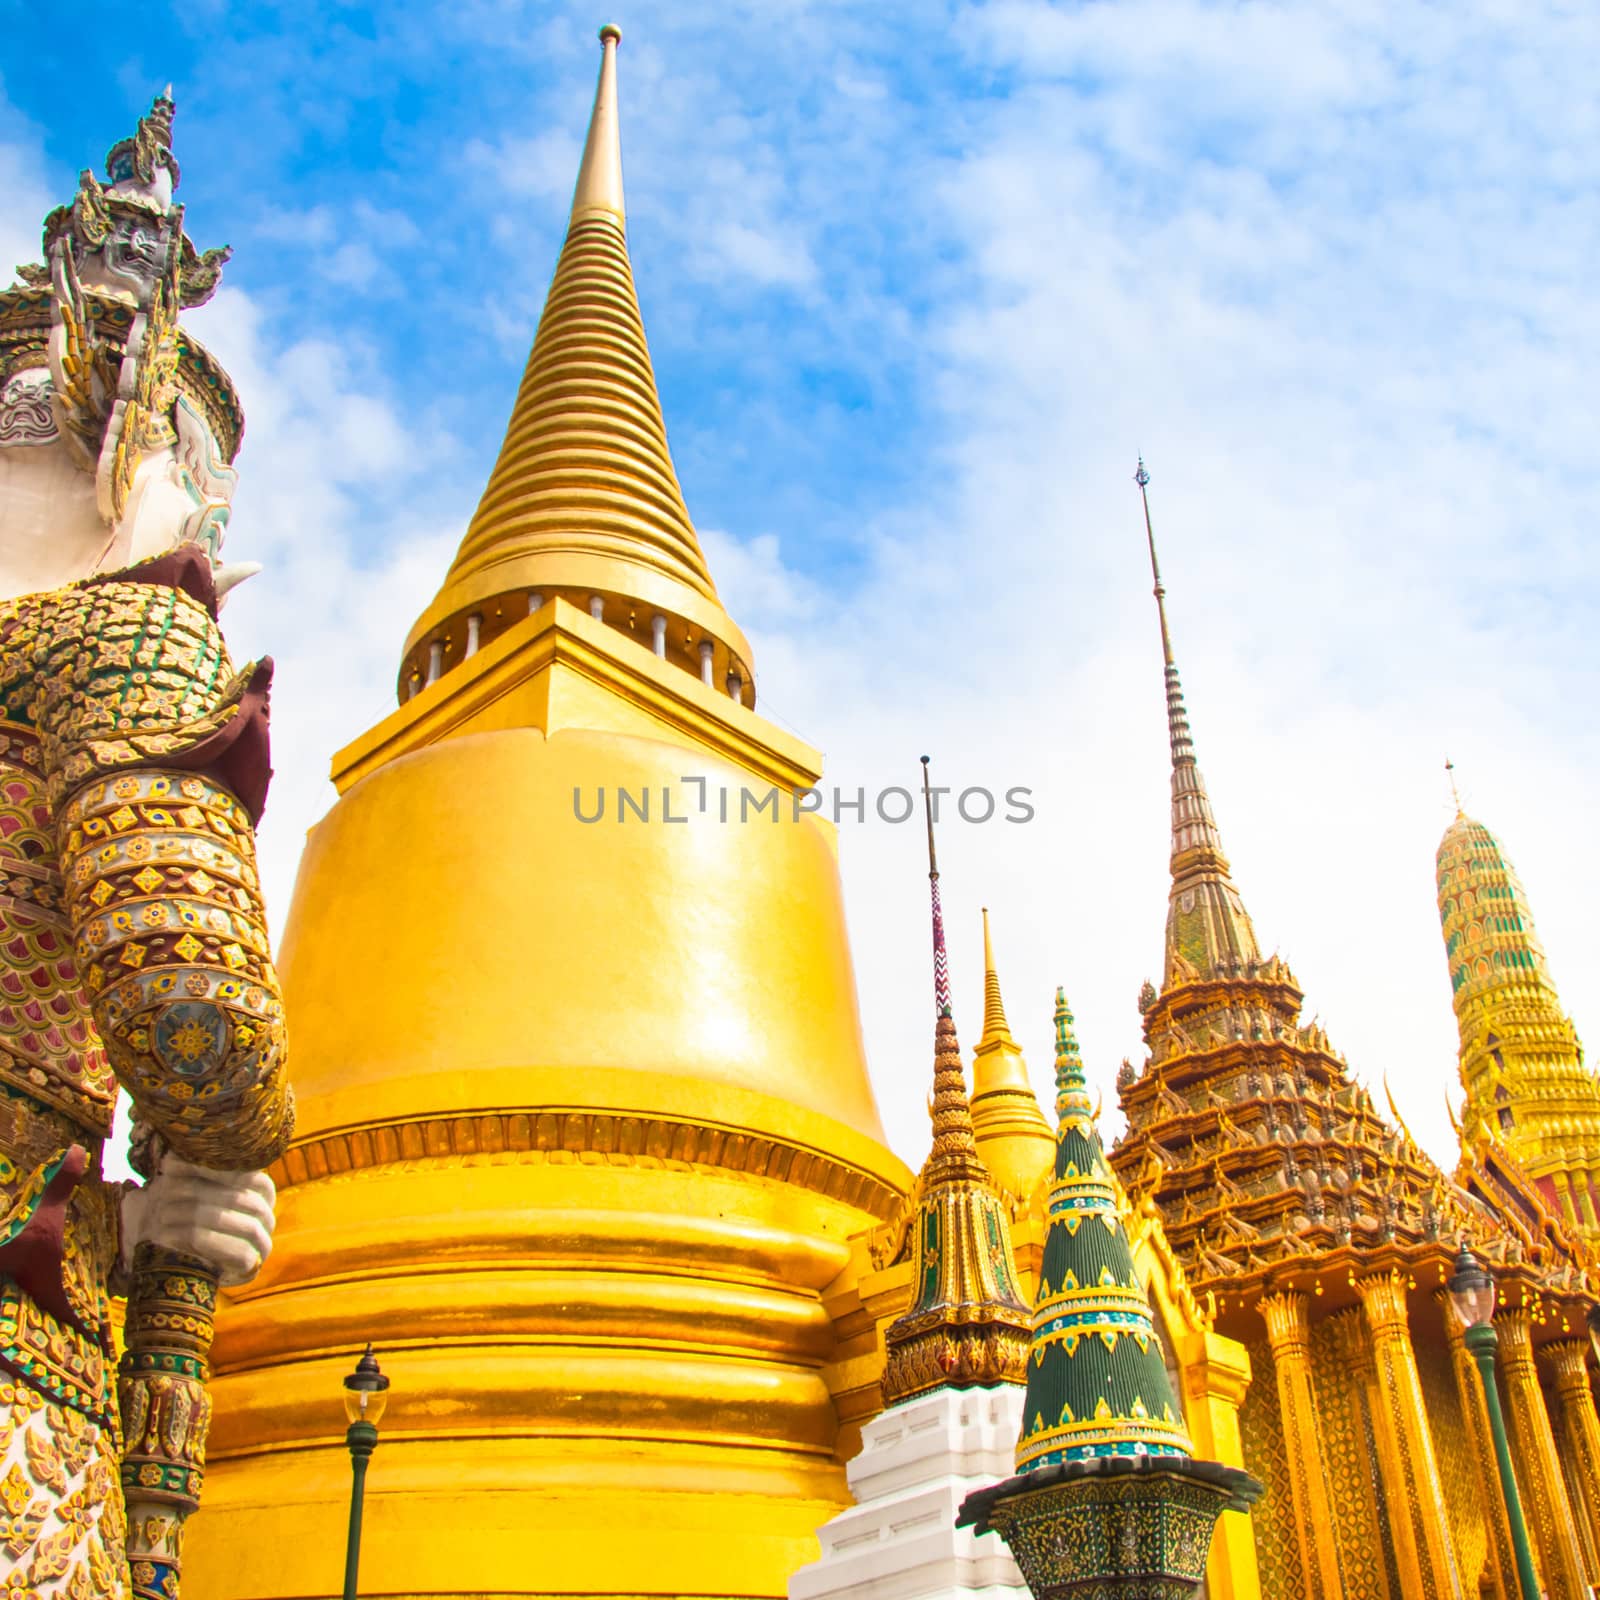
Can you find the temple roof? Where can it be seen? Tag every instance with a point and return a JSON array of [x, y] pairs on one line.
[[584, 499]]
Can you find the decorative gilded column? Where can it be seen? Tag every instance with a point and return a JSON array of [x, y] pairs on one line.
[[1213, 1374], [1363, 1535], [1500, 1564], [1544, 1493], [1289, 1330], [1568, 1363], [1415, 1494]]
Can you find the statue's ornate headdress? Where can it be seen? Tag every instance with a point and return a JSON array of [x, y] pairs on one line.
[[95, 326]]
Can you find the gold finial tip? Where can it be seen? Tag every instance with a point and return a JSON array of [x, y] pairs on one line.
[[611, 34]]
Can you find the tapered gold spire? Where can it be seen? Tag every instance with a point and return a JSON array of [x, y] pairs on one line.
[[1013, 1136], [996, 1030], [600, 174], [1208, 929], [584, 501]]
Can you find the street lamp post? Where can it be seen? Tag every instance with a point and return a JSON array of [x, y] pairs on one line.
[[1472, 1294], [365, 1395]]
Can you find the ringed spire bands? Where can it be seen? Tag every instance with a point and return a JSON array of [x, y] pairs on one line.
[[1013, 1137], [584, 500], [966, 1324], [1208, 928]]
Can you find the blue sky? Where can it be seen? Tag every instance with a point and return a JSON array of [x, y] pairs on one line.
[[919, 283]]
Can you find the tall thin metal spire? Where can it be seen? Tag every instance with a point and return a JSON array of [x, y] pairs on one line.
[[1142, 478], [941, 962], [1207, 926], [1455, 793], [966, 1323]]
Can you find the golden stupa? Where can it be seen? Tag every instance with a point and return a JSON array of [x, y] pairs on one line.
[[584, 1120], [587, 1146]]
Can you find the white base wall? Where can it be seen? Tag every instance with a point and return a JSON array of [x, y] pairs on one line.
[[918, 1462]]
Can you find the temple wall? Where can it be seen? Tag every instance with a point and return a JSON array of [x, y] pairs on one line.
[[1344, 1378]]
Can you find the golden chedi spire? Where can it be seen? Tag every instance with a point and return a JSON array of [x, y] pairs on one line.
[[584, 1118], [584, 501], [966, 1324], [1013, 1137], [1208, 928], [1521, 1060]]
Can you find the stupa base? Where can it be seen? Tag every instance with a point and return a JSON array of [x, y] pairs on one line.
[[1114, 1528]]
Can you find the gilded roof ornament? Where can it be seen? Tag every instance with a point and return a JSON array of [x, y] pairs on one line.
[[966, 1324]]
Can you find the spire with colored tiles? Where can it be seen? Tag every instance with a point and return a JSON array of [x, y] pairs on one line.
[[966, 1324], [1097, 1381], [1521, 1061]]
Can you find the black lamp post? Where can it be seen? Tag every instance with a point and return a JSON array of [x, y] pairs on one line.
[[1472, 1295], [365, 1395]]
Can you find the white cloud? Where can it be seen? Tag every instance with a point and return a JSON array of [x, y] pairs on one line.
[[1371, 429], [1328, 269]]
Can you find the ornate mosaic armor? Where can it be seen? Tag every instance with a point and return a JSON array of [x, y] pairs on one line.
[[133, 951]]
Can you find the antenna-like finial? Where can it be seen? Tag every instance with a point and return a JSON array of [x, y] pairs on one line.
[[1455, 793], [599, 190], [941, 962], [1142, 478]]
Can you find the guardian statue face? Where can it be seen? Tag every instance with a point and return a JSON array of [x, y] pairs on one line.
[[117, 429]]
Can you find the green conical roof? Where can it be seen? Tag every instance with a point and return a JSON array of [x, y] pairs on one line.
[[1097, 1383]]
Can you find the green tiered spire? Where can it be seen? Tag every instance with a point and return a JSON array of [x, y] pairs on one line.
[[1097, 1384]]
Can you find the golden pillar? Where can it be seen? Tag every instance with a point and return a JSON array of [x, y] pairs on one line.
[[1352, 1351], [1415, 1495], [1533, 1447], [1500, 1564], [1289, 1331], [1213, 1375], [1568, 1363]]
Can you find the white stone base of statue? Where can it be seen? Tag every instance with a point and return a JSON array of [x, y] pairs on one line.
[[918, 1462]]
